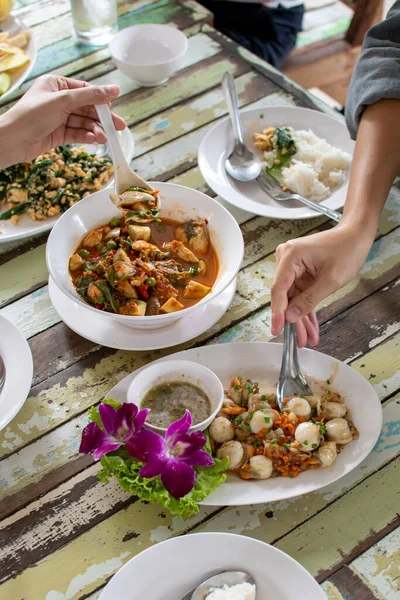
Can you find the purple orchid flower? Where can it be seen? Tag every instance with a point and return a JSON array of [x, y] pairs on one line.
[[120, 428], [174, 457]]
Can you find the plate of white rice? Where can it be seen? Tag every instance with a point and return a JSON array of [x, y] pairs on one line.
[[319, 170], [173, 568]]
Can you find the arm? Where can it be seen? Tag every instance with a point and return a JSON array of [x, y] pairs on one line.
[[311, 268], [55, 111]]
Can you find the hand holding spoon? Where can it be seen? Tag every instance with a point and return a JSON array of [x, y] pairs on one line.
[[241, 164]]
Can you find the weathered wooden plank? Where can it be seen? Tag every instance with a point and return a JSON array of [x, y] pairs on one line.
[[338, 543], [348, 583], [379, 567], [81, 503]]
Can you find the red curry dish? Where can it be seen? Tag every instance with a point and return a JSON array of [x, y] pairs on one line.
[[141, 264]]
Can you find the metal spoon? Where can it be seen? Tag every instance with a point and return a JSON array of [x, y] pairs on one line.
[[228, 578], [291, 380], [125, 177], [2, 374], [241, 164]]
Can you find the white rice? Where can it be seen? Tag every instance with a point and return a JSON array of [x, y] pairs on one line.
[[242, 591], [317, 168]]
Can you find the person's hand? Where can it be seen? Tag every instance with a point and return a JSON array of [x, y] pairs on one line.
[[55, 111], [308, 270]]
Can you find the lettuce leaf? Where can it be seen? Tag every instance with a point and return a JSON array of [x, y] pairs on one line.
[[121, 465]]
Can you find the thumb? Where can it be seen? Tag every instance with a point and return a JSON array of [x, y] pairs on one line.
[[306, 301], [92, 95]]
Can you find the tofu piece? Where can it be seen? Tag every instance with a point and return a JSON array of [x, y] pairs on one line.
[[93, 238], [195, 290], [136, 232], [76, 263], [134, 308], [171, 305]]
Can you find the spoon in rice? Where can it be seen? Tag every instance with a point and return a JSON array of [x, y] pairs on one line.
[[228, 578], [125, 177]]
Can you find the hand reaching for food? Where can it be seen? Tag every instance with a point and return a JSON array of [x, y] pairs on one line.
[[55, 111], [308, 270]]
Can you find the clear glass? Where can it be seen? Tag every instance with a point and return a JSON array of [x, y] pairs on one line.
[[95, 21]]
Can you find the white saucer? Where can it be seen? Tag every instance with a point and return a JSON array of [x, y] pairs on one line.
[[113, 335], [17, 358]]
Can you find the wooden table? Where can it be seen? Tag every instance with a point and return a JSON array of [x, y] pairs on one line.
[[62, 533]]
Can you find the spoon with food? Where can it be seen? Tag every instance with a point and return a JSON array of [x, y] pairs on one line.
[[136, 198], [228, 582]]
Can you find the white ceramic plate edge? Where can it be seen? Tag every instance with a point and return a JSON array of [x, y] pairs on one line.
[[15, 351]]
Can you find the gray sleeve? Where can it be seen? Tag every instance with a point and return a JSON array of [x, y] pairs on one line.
[[377, 73]]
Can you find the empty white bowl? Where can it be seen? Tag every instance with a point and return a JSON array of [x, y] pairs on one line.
[[174, 371], [149, 54], [178, 203]]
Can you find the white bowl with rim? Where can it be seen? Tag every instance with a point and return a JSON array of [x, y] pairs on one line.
[[178, 371], [149, 53], [178, 203]]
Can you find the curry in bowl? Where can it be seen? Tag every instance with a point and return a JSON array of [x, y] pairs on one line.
[[140, 264]]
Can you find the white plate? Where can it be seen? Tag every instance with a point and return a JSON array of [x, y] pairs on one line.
[[167, 571], [261, 362], [114, 335], [14, 26], [218, 142], [27, 228], [17, 358]]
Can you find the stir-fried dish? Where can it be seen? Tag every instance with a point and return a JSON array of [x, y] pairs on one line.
[[140, 264], [262, 442], [52, 183]]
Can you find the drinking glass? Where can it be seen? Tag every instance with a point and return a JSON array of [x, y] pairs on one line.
[[95, 21]]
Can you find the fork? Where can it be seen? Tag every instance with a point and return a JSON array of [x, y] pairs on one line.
[[2, 374], [269, 185], [291, 380]]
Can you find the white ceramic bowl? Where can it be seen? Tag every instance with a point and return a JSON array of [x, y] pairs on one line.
[[168, 570], [179, 203], [149, 54], [182, 371]]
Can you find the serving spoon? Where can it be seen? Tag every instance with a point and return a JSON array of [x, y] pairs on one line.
[[291, 380], [228, 578], [125, 177], [241, 164]]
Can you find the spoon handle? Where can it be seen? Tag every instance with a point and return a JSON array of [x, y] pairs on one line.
[[290, 362], [324, 210], [114, 146], [229, 87]]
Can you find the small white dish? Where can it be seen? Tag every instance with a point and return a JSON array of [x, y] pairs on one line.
[[163, 571], [218, 142], [26, 228], [178, 203], [114, 335], [261, 362], [17, 358], [149, 54], [183, 371]]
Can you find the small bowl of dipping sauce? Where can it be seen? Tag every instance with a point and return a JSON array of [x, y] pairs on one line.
[[149, 54], [170, 388]]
